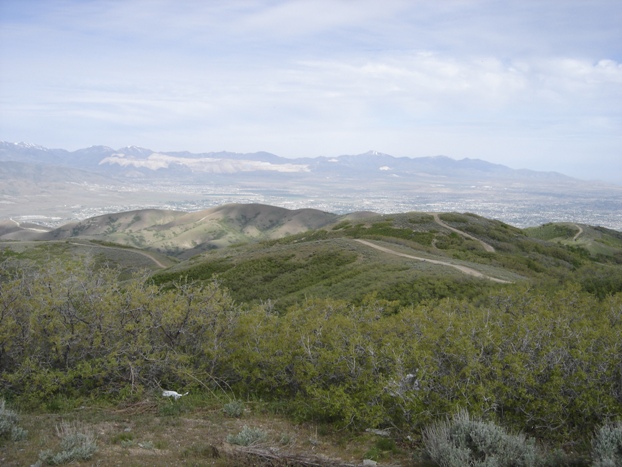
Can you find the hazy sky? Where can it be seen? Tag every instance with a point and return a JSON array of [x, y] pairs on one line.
[[526, 83]]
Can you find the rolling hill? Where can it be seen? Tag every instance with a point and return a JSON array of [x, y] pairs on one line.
[[267, 253], [599, 241], [185, 234]]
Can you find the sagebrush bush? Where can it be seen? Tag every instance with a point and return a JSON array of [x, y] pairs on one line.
[[248, 436], [77, 443], [235, 408], [462, 441], [607, 446], [9, 424]]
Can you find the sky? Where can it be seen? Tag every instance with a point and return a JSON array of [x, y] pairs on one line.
[[531, 84]]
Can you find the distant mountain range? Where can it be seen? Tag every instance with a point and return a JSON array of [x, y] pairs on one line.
[[56, 186], [134, 161]]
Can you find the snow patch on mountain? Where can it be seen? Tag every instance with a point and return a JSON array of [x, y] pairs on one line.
[[24, 145], [374, 153], [156, 161]]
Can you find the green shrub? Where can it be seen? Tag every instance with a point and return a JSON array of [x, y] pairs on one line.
[[285, 439], [77, 443], [607, 446], [9, 428], [380, 448], [373, 454], [386, 444], [235, 408], [248, 437], [171, 409], [462, 441], [123, 438]]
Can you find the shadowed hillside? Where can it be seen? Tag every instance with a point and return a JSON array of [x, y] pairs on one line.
[[180, 233]]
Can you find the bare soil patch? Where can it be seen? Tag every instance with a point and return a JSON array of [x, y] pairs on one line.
[[141, 435]]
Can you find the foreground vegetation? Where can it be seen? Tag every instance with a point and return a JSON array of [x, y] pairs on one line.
[[545, 362], [501, 348]]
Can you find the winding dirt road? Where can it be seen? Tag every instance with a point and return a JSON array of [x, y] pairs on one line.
[[146, 255], [486, 246], [574, 239], [27, 228], [463, 269]]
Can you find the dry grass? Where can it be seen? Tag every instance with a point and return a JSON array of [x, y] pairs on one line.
[[155, 433]]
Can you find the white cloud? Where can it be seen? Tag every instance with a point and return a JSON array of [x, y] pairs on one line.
[[310, 17]]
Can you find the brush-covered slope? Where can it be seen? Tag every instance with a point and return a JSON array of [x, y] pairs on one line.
[[405, 258], [114, 226], [186, 234], [599, 241], [266, 253], [124, 259]]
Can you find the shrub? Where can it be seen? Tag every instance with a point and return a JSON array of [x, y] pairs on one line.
[[461, 441], [285, 439], [607, 446], [123, 438], [171, 409], [248, 437], [9, 428], [235, 408], [381, 446], [386, 444], [76, 443]]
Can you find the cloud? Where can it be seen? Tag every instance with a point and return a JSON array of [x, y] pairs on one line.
[[311, 17]]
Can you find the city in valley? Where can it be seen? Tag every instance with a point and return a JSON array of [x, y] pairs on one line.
[[53, 187]]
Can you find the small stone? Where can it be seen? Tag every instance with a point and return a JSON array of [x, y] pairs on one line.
[[369, 462]]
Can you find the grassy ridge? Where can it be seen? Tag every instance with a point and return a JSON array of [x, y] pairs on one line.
[[290, 270], [327, 263]]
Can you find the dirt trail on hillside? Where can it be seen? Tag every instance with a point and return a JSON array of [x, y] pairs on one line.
[[158, 263], [574, 239], [28, 228], [486, 246], [145, 254], [463, 269]]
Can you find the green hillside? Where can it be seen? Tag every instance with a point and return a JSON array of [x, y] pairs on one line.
[[602, 243], [186, 234], [99, 253], [263, 253], [330, 262]]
